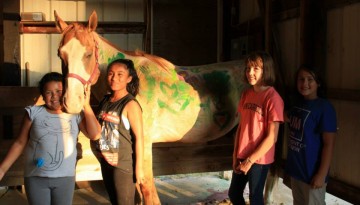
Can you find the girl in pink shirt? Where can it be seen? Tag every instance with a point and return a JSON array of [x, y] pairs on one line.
[[261, 112]]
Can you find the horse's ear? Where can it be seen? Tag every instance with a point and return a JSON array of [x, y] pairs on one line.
[[93, 21], [60, 24]]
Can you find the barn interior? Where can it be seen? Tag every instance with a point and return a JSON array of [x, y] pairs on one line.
[[187, 32]]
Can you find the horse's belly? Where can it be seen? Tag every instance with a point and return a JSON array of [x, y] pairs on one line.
[[198, 125]]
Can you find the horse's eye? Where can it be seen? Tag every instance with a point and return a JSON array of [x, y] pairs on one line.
[[88, 55]]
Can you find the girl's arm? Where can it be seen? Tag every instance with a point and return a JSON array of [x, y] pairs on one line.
[[134, 114], [325, 161], [17, 147], [89, 125], [264, 146]]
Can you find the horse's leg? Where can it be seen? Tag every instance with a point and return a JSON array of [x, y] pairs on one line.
[[138, 195], [149, 193], [156, 199]]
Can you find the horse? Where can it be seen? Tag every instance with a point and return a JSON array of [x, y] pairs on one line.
[[180, 103]]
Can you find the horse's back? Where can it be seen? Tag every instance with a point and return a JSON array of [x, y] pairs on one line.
[[197, 105]]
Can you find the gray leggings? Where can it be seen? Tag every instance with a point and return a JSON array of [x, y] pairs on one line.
[[49, 191]]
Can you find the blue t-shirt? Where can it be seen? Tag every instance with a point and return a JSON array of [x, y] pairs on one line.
[[308, 120]]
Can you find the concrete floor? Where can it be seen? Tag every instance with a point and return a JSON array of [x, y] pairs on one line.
[[82, 196], [192, 189]]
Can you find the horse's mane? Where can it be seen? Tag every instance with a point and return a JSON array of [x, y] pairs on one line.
[[74, 27], [163, 63]]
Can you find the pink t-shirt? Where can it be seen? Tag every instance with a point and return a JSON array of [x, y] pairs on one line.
[[256, 110]]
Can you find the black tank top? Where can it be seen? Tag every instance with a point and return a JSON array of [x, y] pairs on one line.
[[116, 140]]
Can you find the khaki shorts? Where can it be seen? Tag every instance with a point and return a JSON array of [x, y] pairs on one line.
[[303, 194]]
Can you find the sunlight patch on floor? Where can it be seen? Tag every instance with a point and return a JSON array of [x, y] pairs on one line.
[[175, 188]]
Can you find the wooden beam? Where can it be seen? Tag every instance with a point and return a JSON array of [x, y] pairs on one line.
[[305, 32], [185, 158], [191, 158], [13, 97], [1, 43], [268, 26], [11, 16], [331, 4], [285, 9], [48, 27], [343, 191], [344, 94], [286, 15], [248, 28], [148, 26]]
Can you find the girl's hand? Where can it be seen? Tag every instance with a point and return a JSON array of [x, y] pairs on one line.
[[317, 181], [140, 178], [246, 165], [87, 94], [236, 165]]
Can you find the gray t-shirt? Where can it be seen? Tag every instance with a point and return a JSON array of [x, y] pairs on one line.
[[51, 150]]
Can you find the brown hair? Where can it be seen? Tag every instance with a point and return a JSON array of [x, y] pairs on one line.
[[264, 60]]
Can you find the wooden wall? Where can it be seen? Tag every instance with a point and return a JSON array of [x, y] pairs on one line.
[[10, 68], [1, 41], [185, 31], [176, 29], [342, 73], [327, 38], [40, 50]]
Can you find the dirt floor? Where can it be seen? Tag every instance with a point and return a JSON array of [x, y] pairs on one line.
[[191, 189]]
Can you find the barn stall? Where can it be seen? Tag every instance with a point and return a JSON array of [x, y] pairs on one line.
[[322, 33]]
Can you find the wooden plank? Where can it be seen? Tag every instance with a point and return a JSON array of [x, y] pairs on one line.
[[168, 158], [286, 15], [344, 94], [343, 191], [147, 19], [10, 16], [48, 27], [13, 97], [1, 43], [331, 4], [14, 176], [183, 158]]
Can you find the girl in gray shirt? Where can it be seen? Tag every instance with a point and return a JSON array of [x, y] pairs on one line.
[[49, 137]]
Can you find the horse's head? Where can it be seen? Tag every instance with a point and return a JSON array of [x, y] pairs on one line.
[[78, 51]]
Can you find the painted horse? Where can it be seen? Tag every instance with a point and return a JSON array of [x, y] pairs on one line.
[[180, 103]]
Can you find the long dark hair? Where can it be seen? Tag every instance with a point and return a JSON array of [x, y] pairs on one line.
[[133, 86]]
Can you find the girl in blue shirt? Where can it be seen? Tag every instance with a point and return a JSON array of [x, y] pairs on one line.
[[312, 129]]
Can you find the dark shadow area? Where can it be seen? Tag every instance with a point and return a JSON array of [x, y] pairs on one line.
[[11, 74]]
